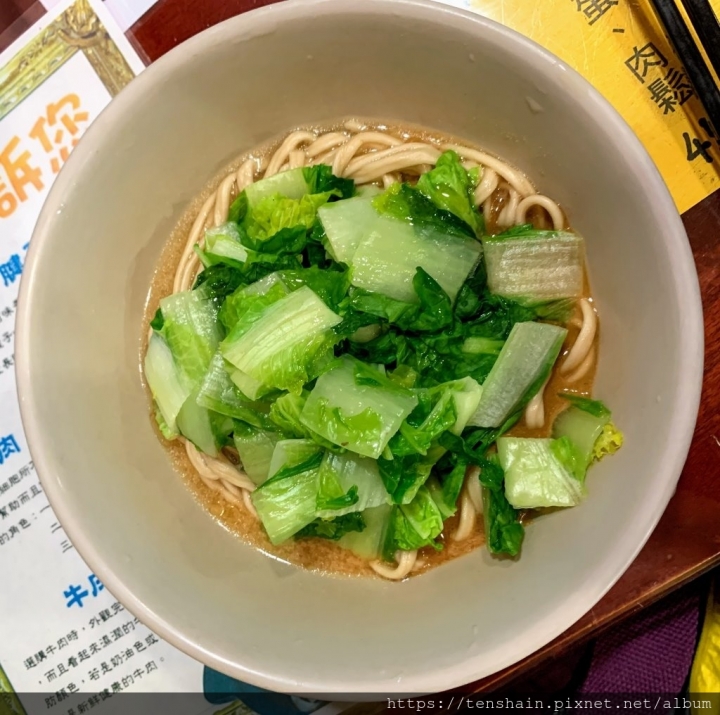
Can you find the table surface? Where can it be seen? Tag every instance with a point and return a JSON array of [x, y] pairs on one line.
[[686, 542]]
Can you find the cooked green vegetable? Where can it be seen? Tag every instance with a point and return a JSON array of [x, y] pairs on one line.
[[285, 344], [287, 505], [414, 525], [333, 529], [357, 407], [219, 393], [349, 470], [290, 184], [365, 352], [587, 425], [223, 245], [503, 530], [538, 473], [168, 385], [609, 441], [345, 224], [450, 187], [535, 268], [255, 447], [369, 542], [524, 363], [413, 207], [582, 428], [388, 257]]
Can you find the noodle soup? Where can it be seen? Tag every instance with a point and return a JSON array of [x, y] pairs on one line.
[[370, 349]]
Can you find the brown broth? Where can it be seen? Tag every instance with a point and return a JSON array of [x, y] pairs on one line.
[[319, 554]]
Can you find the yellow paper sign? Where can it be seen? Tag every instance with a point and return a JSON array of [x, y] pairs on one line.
[[620, 47]]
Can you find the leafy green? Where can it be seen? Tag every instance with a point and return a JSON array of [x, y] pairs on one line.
[[255, 447], [286, 505], [404, 376], [201, 426], [219, 281], [260, 265], [285, 344], [431, 313], [447, 481], [369, 543], [526, 230], [504, 533], [274, 213], [307, 465], [219, 393], [568, 454], [247, 304], [524, 363], [453, 480], [450, 187], [191, 331], [356, 407], [288, 240], [609, 441], [415, 524], [535, 269], [474, 443], [471, 294], [330, 285], [222, 245], [341, 501], [333, 496], [582, 427], [433, 416], [403, 476], [238, 208], [387, 257], [333, 529], [434, 310], [344, 224], [315, 253], [556, 311], [586, 404], [376, 305], [541, 472], [158, 320], [165, 430], [290, 184], [320, 179], [408, 204], [482, 346], [285, 413], [169, 385], [348, 483]]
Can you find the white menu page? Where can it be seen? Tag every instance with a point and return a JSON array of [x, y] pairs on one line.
[[66, 644]]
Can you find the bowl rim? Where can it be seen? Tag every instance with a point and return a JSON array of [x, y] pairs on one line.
[[685, 286]]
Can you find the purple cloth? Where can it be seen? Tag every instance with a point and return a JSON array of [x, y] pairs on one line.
[[649, 653]]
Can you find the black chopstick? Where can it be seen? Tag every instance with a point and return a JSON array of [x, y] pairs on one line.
[[686, 49], [707, 27]]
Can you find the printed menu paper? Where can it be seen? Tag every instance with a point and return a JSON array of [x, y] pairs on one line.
[[62, 633], [66, 645], [124, 12], [620, 47]]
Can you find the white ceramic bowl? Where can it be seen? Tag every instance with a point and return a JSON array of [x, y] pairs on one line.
[[78, 336]]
